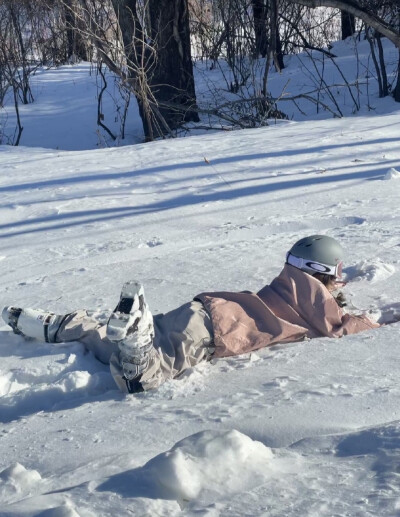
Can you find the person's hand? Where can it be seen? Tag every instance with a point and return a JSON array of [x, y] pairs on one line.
[[340, 299]]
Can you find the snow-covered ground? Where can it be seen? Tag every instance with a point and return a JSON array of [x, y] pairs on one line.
[[310, 428]]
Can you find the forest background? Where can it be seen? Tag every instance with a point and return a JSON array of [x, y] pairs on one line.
[[151, 46]]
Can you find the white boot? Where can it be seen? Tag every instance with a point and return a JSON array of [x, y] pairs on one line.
[[136, 347], [131, 326], [127, 313], [33, 323]]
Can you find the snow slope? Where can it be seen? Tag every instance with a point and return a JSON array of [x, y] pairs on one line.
[[310, 428]]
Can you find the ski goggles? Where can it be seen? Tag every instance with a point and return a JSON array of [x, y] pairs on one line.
[[315, 267]]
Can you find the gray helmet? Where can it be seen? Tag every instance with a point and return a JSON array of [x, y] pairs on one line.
[[317, 254]]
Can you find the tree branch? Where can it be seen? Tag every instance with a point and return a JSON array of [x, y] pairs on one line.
[[355, 8]]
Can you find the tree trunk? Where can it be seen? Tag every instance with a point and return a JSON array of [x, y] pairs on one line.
[[172, 81], [129, 24], [348, 24], [260, 27], [138, 56], [278, 47], [76, 47], [385, 85], [396, 94], [160, 63], [274, 40], [370, 40], [23, 63]]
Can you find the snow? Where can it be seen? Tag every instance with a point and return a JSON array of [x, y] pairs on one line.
[[310, 428], [392, 174], [207, 465]]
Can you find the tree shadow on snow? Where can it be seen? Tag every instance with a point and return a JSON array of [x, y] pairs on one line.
[[94, 216], [383, 445], [91, 178]]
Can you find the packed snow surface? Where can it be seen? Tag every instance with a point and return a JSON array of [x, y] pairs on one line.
[[310, 428]]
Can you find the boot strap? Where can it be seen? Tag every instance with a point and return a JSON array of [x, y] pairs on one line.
[[46, 322]]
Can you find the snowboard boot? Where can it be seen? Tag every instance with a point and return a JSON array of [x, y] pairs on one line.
[[126, 316], [33, 323], [131, 326]]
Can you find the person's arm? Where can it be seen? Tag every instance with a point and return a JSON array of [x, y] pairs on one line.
[[330, 320]]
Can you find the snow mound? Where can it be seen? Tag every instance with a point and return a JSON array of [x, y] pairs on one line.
[[73, 381], [54, 505], [16, 479], [371, 271], [8, 384], [392, 174], [223, 462]]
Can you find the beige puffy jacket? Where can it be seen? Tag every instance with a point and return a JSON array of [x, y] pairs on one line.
[[293, 307]]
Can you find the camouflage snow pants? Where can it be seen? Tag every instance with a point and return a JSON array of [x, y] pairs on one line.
[[183, 338]]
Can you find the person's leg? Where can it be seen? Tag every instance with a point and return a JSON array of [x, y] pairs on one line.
[[80, 326], [183, 338], [145, 357], [131, 328], [56, 328], [33, 323]]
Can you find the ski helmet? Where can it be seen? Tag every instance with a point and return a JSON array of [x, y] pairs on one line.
[[317, 254]]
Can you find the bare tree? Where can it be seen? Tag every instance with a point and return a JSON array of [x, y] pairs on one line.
[[154, 61], [19, 47], [139, 57], [76, 48], [16, 64], [274, 41], [366, 11]]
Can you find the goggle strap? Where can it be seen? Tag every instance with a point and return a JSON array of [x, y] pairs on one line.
[[315, 267]]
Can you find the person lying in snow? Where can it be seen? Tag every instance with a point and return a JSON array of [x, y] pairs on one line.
[[143, 352]]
